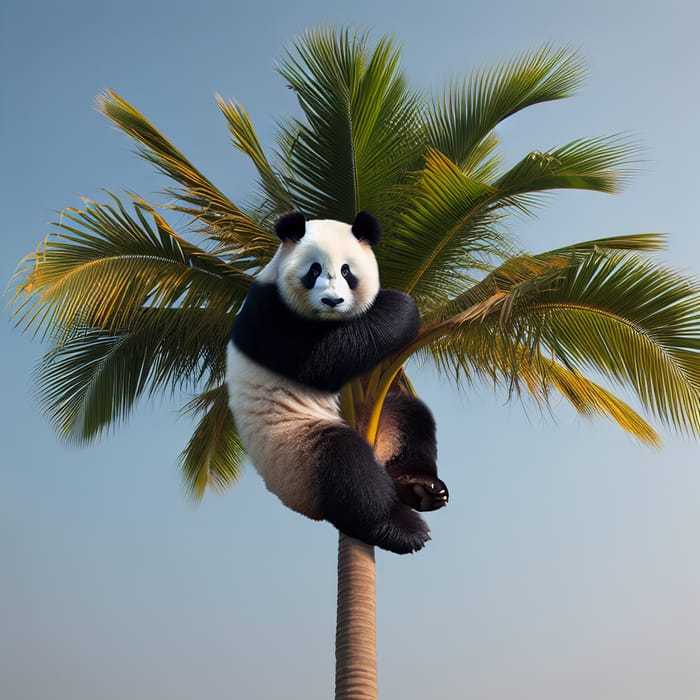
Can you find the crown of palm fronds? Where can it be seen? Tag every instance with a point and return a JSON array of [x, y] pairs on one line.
[[132, 308]]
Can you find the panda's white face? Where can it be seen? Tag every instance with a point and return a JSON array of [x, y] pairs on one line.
[[329, 273]]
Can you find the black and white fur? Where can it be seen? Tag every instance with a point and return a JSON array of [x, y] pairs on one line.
[[315, 318]]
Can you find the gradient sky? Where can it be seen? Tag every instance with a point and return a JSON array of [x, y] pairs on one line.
[[567, 565]]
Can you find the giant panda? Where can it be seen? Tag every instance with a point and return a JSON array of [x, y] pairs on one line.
[[315, 318]]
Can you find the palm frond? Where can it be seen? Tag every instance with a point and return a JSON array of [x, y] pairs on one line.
[[104, 265], [636, 323], [90, 382], [519, 274], [462, 118], [601, 165], [93, 378], [449, 227], [486, 353], [361, 126], [197, 196], [446, 234], [214, 454], [613, 312], [246, 140], [540, 374]]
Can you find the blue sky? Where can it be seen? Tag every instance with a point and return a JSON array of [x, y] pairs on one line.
[[566, 565]]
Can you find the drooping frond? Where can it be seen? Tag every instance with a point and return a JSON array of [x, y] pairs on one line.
[[130, 306], [361, 130], [92, 380], [246, 140], [461, 120], [587, 397], [104, 265], [635, 323], [486, 353], [223, 221], [615, 313], [214, 455]]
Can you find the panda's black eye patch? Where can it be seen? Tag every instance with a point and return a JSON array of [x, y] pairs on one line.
[[309, 279], [349, 277]]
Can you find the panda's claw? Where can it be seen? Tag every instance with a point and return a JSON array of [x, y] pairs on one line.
[[422, 493]]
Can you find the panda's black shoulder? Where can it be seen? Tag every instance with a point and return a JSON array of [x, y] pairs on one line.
[[264, 306], [268, 332]]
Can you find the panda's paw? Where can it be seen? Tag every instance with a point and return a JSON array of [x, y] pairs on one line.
[[422, 493], [432, 495], [404, 533]]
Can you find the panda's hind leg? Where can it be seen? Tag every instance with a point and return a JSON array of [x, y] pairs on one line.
[[359, 497], [407, 448]]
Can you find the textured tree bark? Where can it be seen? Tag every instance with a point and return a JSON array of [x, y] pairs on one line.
[[356, 625]]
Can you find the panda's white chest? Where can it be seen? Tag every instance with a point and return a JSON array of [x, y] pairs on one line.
[[277, 421]]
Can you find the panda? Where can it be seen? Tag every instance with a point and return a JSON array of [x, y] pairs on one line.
[[315, 318]]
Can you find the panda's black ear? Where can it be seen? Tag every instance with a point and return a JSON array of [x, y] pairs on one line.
[[291, 227], [367, 228]]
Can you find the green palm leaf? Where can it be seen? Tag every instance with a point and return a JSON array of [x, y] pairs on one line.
[[636, 324], [612, 312], [91, 382], [105, 264], [450, 226], [589, 399], [361, 130], [214, 455], [246, 140], [446, 235], [599, 164], [488, 353], [521, 273], [93, 379], [223, 221], [461, 120], [130, 306]]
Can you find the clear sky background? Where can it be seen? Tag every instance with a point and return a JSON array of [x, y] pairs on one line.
[[567, 565]]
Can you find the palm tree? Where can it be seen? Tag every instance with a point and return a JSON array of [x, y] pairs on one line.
[[132, 308]]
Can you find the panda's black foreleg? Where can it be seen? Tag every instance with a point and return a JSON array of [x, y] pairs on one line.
[[359, 497], [407, 445]]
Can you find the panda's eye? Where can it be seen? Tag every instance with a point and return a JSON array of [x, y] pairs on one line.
[[312, 274], [350, 279]]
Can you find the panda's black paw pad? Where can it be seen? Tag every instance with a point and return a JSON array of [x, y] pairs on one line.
[[423, 493], [431, 495]]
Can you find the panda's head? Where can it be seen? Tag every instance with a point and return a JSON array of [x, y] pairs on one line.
[[326, 269]]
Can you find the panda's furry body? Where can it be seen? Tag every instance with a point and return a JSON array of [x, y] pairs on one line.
[[314, 319]]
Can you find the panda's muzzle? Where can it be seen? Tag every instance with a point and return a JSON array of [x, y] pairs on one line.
[[332, 301]]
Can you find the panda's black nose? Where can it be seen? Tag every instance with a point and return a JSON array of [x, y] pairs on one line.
[[328, 301]]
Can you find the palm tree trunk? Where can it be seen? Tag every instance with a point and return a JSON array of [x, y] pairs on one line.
[[356, 626]]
